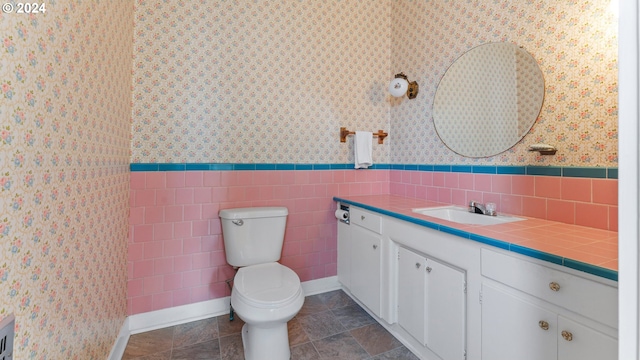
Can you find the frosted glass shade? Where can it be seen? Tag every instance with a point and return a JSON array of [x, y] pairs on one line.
[[398, 87]]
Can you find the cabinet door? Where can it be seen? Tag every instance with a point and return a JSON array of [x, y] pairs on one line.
[[344, 254], [579, 342], [365, 267], [432, 304], [515, 329], [446, 310], [412, 294]]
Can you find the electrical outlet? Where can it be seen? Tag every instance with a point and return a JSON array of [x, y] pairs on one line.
[[7, 334]]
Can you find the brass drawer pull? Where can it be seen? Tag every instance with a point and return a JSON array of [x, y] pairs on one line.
[[543, 325], [567, 335], [554, 286]]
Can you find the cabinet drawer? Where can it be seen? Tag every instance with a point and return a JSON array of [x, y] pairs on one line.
[[585, 297], [366, 219]]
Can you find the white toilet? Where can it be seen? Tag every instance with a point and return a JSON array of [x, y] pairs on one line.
[[265, 294]]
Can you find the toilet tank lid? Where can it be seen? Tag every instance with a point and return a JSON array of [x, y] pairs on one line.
[[254, 212]]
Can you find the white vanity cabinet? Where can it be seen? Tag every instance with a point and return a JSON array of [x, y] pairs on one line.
[[450, 298], [432, 303], [360, 264], [534, 312]]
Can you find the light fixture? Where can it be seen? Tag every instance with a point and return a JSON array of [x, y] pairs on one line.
[[400, 85]]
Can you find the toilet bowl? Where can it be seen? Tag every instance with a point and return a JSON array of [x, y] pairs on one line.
[[266, 297], [265, 293]]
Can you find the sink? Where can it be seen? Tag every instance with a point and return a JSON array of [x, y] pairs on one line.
[[463, 216]]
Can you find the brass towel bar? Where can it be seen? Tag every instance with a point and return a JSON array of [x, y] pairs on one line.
[[344, 133]]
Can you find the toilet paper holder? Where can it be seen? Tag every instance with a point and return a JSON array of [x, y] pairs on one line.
[[342, 214]]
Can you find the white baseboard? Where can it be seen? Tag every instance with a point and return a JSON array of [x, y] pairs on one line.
[[320, 286], [121, 342], [153, 320]]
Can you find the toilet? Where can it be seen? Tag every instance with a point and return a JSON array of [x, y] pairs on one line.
[[265, 294]]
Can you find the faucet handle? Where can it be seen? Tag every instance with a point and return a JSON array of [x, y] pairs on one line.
[[491, 209]]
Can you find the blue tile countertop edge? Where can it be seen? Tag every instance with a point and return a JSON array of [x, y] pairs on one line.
[[536, 254], [568, 171]]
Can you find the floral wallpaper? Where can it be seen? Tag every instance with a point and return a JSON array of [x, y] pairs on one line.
[[272, 82], [64, 182], [258, 82], [575, 44]]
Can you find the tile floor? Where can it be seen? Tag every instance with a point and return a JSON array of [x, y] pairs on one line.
[[329, 326]]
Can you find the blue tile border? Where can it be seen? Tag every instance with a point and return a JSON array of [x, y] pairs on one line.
[[536, 254], [544, 170], [569, 171], [482, 169], [591, 269], [600, 173]]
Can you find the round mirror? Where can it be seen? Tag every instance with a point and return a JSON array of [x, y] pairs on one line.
[[488, 100]]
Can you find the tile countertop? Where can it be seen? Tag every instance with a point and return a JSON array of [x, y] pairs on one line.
[[582, 248]]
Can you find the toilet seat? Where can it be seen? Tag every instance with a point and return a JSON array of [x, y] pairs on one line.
[[269, 285]]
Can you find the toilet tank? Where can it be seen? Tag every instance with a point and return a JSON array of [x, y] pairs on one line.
[[253, 235]]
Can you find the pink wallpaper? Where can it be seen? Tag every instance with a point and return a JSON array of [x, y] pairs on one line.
[[176, 253], [65, 105]]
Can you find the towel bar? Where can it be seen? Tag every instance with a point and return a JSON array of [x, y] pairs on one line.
[[344, 133]]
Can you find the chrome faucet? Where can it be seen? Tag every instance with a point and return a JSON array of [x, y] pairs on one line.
[[478, 208]]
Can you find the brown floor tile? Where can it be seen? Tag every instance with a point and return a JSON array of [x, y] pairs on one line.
[[352, 316], [329, 326], [320, 325], [304, 351], [375, 339], [226, 327], [166, 355], [209, 350], [147, 343], [399, 353], [195, 332], [336, 299], [296, 333], [231, 347], [341, 346], [312, 304]]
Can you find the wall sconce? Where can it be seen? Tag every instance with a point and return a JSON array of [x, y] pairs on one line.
[[400, 85]]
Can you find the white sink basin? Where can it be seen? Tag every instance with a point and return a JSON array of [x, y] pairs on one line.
[[463, 216]]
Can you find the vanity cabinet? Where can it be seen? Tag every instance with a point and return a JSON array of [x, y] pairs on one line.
[[359, 267], [450, 298], [431, 303], [533, 312]]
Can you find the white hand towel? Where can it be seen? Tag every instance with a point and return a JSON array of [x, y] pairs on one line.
[[363, 148]]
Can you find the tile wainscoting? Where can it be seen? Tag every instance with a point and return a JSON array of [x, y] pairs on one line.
[[176, 254]]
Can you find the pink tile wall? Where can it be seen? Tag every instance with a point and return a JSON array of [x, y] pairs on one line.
[[176, 250], [581, 201]]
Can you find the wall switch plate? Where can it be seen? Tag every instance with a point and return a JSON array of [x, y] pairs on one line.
[[7, 334]]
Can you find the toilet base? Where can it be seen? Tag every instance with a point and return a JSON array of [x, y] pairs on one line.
[[266, 343]]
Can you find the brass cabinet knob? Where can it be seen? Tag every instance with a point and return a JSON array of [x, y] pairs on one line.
[[554, 286], [543, 325], [567, 335]]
